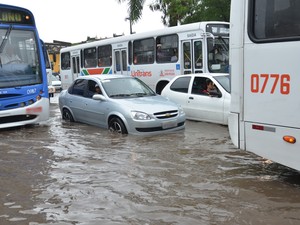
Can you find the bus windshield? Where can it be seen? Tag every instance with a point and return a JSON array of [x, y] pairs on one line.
[[18, 58], [218, 54]]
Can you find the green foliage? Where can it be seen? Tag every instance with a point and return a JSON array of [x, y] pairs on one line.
[[182, 11], [218, 10], [135, 8]]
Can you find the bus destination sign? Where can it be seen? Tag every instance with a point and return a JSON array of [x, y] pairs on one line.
[[15, 17], [218, 29]]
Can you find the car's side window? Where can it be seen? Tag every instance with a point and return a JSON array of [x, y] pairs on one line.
[[78, 87], [181, 84], [91, 89], [199, 86], [205, 86]]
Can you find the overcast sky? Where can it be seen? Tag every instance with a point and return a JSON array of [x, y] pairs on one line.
[[73, 21]]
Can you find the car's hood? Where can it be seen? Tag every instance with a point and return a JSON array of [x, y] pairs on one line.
[[149, 104]]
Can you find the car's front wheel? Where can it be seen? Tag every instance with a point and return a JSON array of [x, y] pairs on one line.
[[116, 125], [67, 115]]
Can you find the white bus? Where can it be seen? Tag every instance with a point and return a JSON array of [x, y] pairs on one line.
[[155, 57], [265, 79]]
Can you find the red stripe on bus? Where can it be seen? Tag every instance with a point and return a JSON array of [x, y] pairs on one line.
[[34, 110], [95, 71]]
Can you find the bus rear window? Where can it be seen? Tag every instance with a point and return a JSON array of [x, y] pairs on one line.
[[274, 19]]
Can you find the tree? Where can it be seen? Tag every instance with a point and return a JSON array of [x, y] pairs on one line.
[[135, 9], [174, 11], [210, 10], [182, 11]]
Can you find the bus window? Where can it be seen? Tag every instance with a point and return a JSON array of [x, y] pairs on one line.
[[198, 54], [118, 61], [143, 51], [130, 52], [187, 55], [275, 19], [19, 59], [218, 55], [104, 56], [75, 67], [167, 48], [124, 60], [90, 59], [65, 61]]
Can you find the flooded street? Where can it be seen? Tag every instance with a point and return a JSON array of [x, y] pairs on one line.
[[68, 173]]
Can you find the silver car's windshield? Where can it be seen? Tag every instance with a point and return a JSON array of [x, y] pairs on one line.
[[126, 87]]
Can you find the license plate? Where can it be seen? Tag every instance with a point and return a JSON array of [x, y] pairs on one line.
[[169, 124]]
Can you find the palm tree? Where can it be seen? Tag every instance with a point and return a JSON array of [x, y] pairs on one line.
[[135, 9]]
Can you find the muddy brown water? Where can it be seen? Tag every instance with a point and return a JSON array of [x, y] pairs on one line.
[[68, 173]]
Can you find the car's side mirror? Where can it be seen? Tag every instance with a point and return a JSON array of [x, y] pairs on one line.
[[215, 94], [99, 97]]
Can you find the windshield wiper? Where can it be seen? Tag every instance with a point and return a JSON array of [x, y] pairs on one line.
[[119, 95], [4, 41], [139, 94], [224, 44]]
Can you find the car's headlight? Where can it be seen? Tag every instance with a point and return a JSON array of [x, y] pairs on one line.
[[140, 115]]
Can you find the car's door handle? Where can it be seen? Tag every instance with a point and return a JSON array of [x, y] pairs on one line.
[[191, 98]]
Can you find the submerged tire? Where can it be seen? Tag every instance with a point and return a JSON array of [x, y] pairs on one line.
[[67, 115], [116, 125]]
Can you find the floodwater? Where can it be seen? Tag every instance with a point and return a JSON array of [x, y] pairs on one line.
[[69, 174]]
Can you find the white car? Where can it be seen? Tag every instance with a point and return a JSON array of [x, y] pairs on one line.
[[123, 104], [190, 92], [56, 83]]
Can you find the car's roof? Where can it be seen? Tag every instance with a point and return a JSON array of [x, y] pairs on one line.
[[103, 77], [204, 74]]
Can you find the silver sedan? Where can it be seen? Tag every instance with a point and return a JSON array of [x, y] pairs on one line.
[[123, 104]]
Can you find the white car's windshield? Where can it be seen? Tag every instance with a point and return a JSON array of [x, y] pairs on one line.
[[224, 81], [126, 87]]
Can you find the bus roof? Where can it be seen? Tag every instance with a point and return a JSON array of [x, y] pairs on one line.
[[165, 31]]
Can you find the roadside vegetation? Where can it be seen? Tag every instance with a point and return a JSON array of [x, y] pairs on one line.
[[176, 12]]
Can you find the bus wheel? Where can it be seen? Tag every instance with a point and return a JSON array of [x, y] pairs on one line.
[[66, 115], [116, 125], [160, 86]]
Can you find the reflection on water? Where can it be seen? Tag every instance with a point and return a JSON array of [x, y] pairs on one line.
[[61, 173]]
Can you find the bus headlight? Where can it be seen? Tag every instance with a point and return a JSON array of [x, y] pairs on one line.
[[140, 115]]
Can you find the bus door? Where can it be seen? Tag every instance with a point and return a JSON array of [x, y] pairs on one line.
[[120, 66], [192, 58], [75, 65]]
